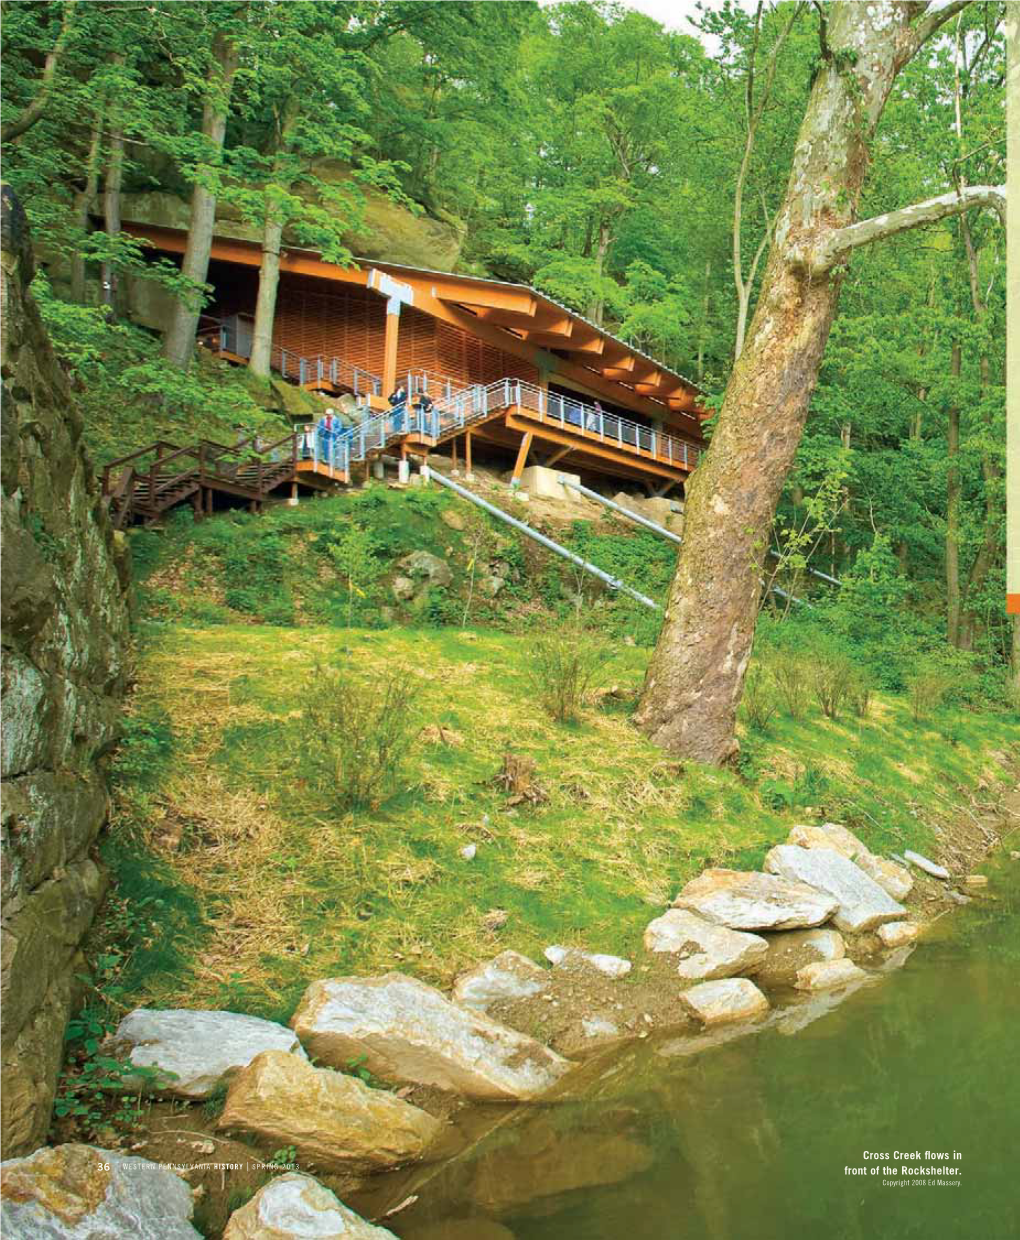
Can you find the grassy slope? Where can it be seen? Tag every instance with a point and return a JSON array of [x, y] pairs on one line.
[[290, 889]]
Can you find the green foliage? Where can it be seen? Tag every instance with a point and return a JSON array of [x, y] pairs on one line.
[[567, 663], [355, 734], [760, 698]]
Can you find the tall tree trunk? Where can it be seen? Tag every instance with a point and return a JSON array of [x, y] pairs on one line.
[[34, 110], [695, 678], [953, 510], [111, 217], [180, 337], [265, 303], [85, 203]]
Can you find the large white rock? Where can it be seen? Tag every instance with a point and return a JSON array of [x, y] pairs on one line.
[[751, 901], [80, 1192], [726, 1000], [200, 1049], [790, 950], [407, 1031], [827, 974], [892, 878], [704, 950], [574, 957], [507, 976], [862, 902], [895, 880], [298, 1207], [333, 1121]]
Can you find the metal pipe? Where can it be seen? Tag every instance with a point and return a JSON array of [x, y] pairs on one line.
[[656, 528], [661, 529], [563, 480], [612, 582]]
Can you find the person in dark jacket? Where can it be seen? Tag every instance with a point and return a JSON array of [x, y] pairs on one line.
[[398, 403]]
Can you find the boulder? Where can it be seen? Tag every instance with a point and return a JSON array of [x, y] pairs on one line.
[[704, 950], [403, 589], [894, 879], [863, 904], [298, 1207], [198, 1051], [826, 974], [726, 1000], [508, 976], [752, 901], [790, 950], [574, 958], [828, 835], [599, 1027], [929, 867], [407, 1031], [79, 1192], [424, 566], [333, 1121], [898, 933]]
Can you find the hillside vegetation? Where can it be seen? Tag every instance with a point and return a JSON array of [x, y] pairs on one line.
[[234, 829]]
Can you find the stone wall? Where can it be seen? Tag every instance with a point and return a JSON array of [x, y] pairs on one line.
[[64, 648]]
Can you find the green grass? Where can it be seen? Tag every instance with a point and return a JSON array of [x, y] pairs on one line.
[[286, 888]]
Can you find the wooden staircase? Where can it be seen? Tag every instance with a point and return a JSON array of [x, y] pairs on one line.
[[143, 486]]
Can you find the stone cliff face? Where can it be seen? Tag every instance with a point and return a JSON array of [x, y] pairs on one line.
[[64, 647]]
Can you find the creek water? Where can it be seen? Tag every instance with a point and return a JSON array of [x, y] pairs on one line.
[[751, 1138]]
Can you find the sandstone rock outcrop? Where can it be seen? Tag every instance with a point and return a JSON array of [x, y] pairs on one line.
[[197, 1051], [704, 950], [752, 901], [334, 1121], [64, 620], [406, 1031], [79, 1192], [893, 878], [298, 1207]]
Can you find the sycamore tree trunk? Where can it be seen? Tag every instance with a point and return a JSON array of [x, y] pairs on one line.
[[179, 341], [84, 208], [695, 678], [111, 219]]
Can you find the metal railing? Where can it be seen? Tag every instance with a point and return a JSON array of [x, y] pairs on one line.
[[234, 336], [476, 403]]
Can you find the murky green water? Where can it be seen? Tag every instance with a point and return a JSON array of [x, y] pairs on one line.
[[751, 1138]]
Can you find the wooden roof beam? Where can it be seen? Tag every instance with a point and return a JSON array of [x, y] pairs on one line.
[[478, 297]]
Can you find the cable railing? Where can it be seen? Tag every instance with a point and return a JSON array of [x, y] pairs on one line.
[[340, 448]]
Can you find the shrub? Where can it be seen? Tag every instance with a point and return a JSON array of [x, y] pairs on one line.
[[357, 734], [760, 700], [833, 678], [928, 689], [565, 665], [792, 679]]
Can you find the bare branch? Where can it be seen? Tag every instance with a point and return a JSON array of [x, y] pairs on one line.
[[932, 20], [843, 240], [34, 110]]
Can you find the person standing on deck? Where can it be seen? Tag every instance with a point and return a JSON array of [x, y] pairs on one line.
[[398, 403], [594, 418], [424, 405]]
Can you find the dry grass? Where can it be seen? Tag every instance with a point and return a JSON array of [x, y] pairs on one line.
[[292, 890]]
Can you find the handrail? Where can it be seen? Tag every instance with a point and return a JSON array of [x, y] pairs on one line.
[[131, 456]]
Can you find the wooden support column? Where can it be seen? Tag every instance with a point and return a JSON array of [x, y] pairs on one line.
[[663, 490], [467, 454], [389, 374], [522, 459], [453, 452]]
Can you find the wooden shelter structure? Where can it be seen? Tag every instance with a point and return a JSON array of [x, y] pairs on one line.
[[577, 397]]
